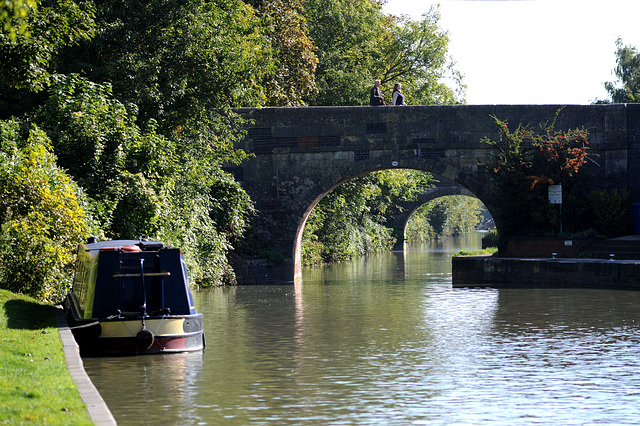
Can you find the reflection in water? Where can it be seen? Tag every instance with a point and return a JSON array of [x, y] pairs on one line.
[[387, 340], [171, 381]]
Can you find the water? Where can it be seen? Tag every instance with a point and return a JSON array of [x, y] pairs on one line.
[[387, 340]]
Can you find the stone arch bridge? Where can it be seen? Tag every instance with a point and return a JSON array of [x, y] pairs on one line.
[[300, 154]]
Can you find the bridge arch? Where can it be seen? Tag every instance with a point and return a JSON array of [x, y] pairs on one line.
[[442, 188], [329, 182]]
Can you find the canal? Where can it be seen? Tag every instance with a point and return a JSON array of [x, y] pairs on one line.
[[385, 339]]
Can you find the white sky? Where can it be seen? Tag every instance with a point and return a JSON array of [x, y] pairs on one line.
[[533, 52]]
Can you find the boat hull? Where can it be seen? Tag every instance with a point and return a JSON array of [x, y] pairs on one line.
[[138, 336]]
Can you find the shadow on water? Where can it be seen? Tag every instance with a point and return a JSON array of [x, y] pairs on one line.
[[22, 314]]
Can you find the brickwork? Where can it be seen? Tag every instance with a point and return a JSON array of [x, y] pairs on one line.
[[544, 247]]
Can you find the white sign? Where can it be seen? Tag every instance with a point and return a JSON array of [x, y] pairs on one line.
[[555, 194]]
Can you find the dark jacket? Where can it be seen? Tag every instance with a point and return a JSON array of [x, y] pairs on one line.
[[376, 97]]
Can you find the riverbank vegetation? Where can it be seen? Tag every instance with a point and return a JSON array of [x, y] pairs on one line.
[[117, 120], [35, 385], [443, 217], [489, 251]]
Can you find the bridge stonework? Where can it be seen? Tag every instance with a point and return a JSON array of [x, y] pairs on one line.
[[300, 154]]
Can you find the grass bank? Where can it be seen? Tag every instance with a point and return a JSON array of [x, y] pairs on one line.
[[35, 384], [483, 252]]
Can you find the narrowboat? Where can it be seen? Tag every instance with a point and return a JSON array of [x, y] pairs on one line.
[[132, 297]]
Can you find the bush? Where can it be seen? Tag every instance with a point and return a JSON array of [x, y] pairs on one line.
[[41, 218], [490, 239], [611, 212]]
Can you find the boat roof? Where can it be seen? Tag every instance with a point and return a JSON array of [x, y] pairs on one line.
[[144, 245]]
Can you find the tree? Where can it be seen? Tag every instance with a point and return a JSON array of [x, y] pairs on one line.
[[97, 140], [142, 184], [416, 55], [140, 114], [13, 15], [358, 43], [626, 89], [50, 26], [176, 60], [293, 77], [346, 34]]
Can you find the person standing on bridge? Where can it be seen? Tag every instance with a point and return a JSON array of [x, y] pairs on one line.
[[376, 97], [398, 97]]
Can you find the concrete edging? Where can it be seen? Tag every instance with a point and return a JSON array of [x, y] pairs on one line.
[[488, 271], [98, 410]]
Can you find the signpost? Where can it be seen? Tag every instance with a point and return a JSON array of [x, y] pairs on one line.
[[555, 194], [555, 197]]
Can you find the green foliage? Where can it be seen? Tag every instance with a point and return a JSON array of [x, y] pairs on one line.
[[626, 88], [463, 213], [524, 164], [483, 252], [97, 141], [176, 60], [346, 34], [143, 184], [443, 217], [416, 55], [611, 212], [148, 147], [418, 228], [12, 17], [312, 247], [46, 29], [350, 220], [204, 218], [41, 218], [293, 76]]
